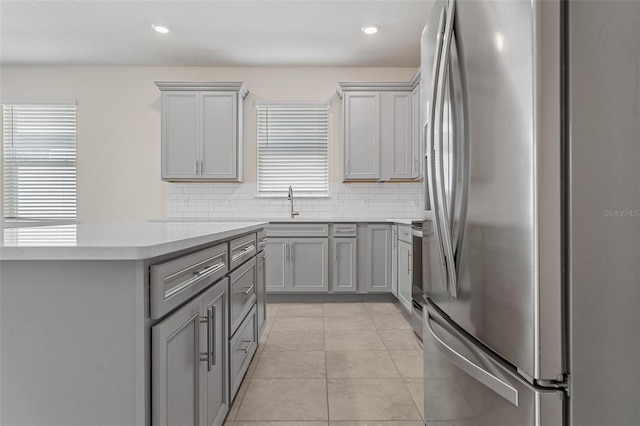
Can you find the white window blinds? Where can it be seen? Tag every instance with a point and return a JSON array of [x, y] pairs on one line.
[[39, 161], [292, 149]]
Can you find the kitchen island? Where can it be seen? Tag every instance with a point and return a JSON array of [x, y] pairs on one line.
[[77, 315]]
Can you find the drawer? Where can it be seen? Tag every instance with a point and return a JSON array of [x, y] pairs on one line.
[[242, 347], [176, 281], [262, 240], [241, 249], [295, 230], [242, 293], [404, 234], [344, 230]]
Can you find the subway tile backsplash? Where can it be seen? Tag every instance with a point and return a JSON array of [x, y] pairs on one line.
[[238, 200]]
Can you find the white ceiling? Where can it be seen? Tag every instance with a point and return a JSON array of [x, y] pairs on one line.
[[211, 32]]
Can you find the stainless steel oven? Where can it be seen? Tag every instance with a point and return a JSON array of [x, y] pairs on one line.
[[416, 278]]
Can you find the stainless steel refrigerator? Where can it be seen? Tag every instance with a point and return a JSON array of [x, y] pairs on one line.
[[531, 233]]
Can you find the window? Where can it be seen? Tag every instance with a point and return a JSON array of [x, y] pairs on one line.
[[292, 149], [39, 161]]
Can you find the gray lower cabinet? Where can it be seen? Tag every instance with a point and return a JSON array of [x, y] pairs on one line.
[[297, 265], [190, 378], [379, 258], [404, 274], [394, 260], [261, 310], [242, 293], [242, 347], [344, 278]]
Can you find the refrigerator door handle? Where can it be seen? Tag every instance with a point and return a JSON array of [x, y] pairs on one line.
[[429, 127], [438, 107], [494, 383]]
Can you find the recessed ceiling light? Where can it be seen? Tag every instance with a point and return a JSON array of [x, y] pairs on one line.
[[370, 29], [161, 28]]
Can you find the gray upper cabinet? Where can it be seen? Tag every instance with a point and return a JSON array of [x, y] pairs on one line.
[[361, 136], [381, 130], [202, 131], [417, 132], [395, 128]]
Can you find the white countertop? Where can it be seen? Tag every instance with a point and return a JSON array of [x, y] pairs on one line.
[[405, 221], [121, 241]]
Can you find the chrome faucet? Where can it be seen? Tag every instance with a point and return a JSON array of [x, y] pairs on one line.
[[290, 198]]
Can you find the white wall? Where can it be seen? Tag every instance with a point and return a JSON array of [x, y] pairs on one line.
[[118, 128]]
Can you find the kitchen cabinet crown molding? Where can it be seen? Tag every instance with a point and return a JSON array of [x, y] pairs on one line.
[[231, 86], [377, 86]]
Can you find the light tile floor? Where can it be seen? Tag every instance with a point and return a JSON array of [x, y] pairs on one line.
[[333, 364]]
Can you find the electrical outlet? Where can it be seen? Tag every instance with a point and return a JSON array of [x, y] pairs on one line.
[[365, 202], [185, 202], [232, 202]]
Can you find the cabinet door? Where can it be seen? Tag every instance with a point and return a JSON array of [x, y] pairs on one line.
[[416, 132], [309, 264], [361, 136], [219, 139], [394, 260], [344, 265], [215, 343], [379, 258], [180, 121], [276, 264], [177, 387], [395, 136], [404, 274], [260, 292]]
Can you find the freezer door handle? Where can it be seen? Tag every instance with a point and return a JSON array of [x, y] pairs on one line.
[[438, 152], [494, 383]]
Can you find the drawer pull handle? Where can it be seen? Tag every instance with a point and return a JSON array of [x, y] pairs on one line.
[[198, 274], [246, 348], [245, 251], [248, 289]]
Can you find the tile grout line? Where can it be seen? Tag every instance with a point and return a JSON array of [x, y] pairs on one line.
[[326, 366]]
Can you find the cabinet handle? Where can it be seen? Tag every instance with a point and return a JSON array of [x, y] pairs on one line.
[[207, 356], [248, 290], [197, 164], [409, 263], [202, 167], [243, 252], [213, 336], [246, 348]]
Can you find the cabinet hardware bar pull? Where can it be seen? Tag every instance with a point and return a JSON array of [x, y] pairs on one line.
[[248, 289], [212, 336], [207, 355], [243, 252], [197, 276], [246, 348]]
